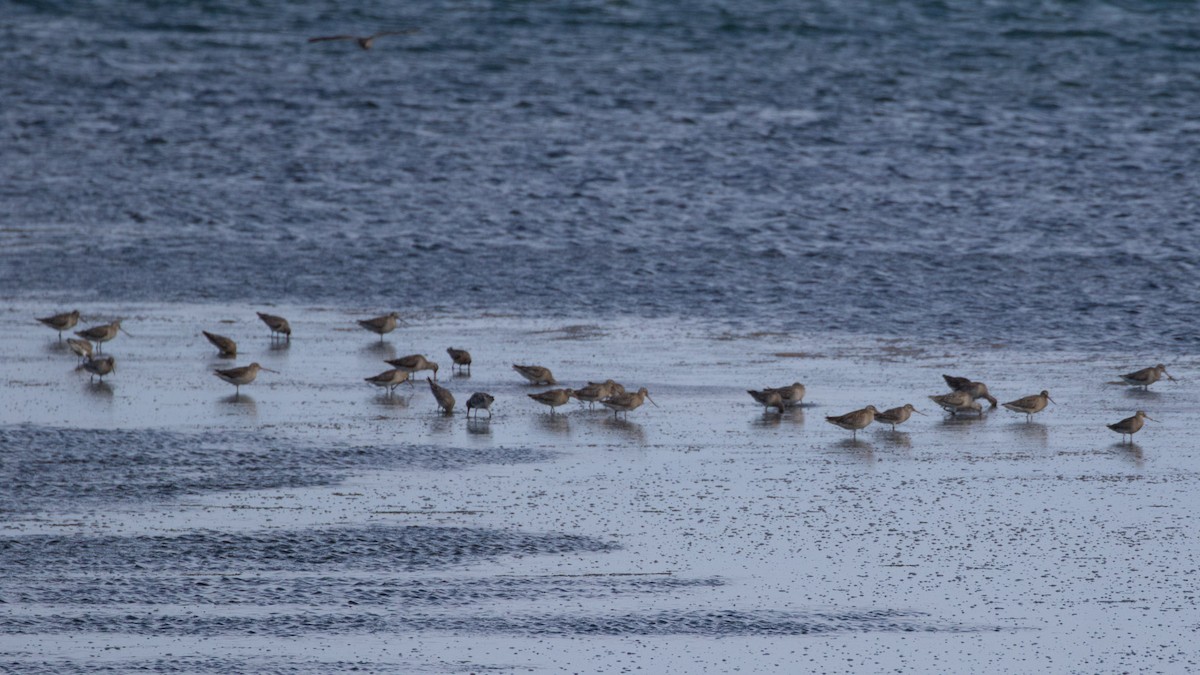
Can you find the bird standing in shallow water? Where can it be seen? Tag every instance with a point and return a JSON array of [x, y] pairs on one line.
[[1030, 405], [1146, 376], [855, 420], [442, 395], [480, 400], [894, 416], [623, 403], [956, 402], [975, 389], [767, 398], [101, 334], [460, 358], [535, 374], [413, 363], [1131, 425], [390, 379], [223, 344], [61, 322], [81, 348], [277, 324], [239, 376], [553, 397], [381, 324], [100, 366]]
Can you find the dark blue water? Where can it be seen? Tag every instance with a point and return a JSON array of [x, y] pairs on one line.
[[1020, 171]]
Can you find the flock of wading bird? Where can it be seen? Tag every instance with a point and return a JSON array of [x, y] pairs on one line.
[[610, 394], [963, 397]]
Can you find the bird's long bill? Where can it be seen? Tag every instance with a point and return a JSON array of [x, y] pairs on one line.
[[269, 370], [1169, 376], [1150, 418], [651, 400], [122, 329], [1051, 400], [919, 412]]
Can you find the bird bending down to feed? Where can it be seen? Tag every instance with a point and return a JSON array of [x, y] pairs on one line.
[[223, 344], [1030, 405], [363, 41], [445, 399], [413, 363], [480, 401], [894, 416], [767, 398], [975, 389], [381, 324], [1146, 376], [81, 348], [240, 376], [854, 420], [553, 397], [956, 402], [61, 322], [1131, 425], [390, 379], [460, 358], [277, 324], [536, 374], [100, 366], [102, 334], [623, 403], [598, 391]]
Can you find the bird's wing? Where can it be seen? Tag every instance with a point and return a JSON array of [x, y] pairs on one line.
[[410, 31], [327, 38]]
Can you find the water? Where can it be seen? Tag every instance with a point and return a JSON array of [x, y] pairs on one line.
[[696, 196], [1015, 172]]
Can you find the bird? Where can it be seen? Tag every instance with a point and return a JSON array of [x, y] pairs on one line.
[[460, 358], [277, 324], [792, 394], [381, 324], [414, 363], [61, 322], [956, 402], [1030, 405], [445, 399], [480, 400], [1131, 425], [975, 389], [598, 391], [767, 398], [390, 379], [81, 348], [363, 41], [101, 334], [240, 376], [553, 397], [224, 345], [894, 416], [536, 374], [623, 403], [100, 366], [1146, 376], [854, 420]]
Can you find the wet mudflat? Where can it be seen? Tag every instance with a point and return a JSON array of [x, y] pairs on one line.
[[312, 524]]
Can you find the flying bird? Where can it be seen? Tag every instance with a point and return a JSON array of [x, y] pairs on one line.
[[363, 41]]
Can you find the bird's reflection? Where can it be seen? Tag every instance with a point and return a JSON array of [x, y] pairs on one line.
[[1032, 431], [99, 390], [895, 439], [1142, 394], [242, 404], [558, 424], [631, 430], [384, 350], [479, 425], [390, 400], [857, 448]]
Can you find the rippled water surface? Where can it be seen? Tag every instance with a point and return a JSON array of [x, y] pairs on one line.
[[1016, 171]]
